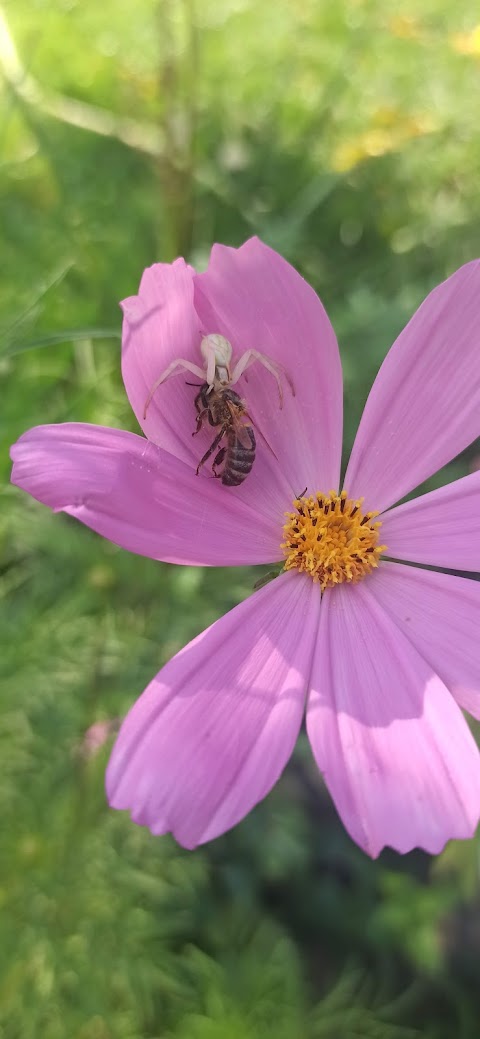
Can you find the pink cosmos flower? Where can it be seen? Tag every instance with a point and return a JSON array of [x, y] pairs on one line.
[[96, 736], [382, 654]]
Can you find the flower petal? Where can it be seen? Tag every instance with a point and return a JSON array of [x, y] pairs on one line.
[[212, 733], [159, 325], [424, 406], [258, 301], [440, 615], [396, 752], [441, 528], [141, 497]]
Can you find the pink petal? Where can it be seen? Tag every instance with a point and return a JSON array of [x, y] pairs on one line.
[[440, 615], [424, 406], [258, 301], [441, 528], [396, 752], [212, 733], [159, 325], [141, 497]]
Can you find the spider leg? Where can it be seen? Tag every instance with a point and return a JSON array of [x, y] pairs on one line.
[[217, 352], [276, 369], [211, 363], [175, 368]]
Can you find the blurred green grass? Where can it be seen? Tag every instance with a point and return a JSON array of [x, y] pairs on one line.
[[345, 135]]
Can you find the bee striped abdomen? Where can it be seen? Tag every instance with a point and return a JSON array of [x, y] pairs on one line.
[[239, 459]]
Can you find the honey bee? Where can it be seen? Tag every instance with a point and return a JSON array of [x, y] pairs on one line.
[[224, 409]]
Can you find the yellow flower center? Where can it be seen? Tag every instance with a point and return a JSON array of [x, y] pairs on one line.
[[330, 538]]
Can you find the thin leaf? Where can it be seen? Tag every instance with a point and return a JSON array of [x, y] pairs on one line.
[[72, 335]]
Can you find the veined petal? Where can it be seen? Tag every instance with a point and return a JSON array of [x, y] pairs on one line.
[[424, 406], [160, 324], [259, 302], [141, 497], [440, 615], [441, 528], [212, 733], [395, 750]]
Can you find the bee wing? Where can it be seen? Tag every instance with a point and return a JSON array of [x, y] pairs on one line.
[[241, 430], [242, 433], [265, 441]]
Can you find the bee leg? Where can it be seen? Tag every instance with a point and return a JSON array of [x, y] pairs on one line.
[[200, 418], [198, 402], [219, 458], [276, 369], [211, 449]]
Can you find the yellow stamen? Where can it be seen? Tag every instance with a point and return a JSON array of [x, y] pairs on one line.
[[331, 539]]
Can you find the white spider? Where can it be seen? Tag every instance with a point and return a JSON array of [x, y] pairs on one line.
[[217, 354]]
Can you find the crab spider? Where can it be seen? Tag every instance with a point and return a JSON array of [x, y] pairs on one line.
[[217, 354]]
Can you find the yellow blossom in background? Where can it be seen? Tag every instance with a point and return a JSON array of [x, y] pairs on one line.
[[467, 42], [388, 130], [405, 26]]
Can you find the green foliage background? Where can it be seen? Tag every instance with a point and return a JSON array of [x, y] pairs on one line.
[[346, 135]]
